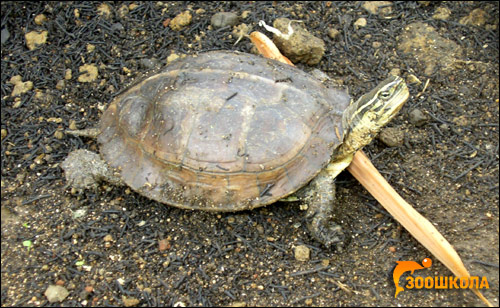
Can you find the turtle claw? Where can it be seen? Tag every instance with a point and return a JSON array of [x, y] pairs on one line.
[[319, 196], [327, 232]]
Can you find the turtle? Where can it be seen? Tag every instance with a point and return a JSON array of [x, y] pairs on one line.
[[227, 131]]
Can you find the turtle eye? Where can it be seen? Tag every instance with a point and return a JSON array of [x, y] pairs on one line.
[[384, 95]]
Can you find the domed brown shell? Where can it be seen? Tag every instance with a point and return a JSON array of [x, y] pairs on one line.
[[222, 131]]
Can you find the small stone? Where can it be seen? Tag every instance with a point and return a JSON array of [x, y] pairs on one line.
[[224, 19], [89, 71], [104, 9], [18, 103], [84, 294], [39, 160], [442, 13], [476, 18], [15, 79], [360, 23], [378, 7], [123, 11], [36, 38], [56, 293], [117, 27], [180, 21], [163, 244], [392, 136], [461, 120], [130, 301], [444, 127], [302, 253], [20, 87], [58, 134], [245, 14], [60, 84], [417, 117], [40, 19], [108, 238], [301, 46], [149, 63], [333, 33], [79, 213], [68, 74], [5, 35]]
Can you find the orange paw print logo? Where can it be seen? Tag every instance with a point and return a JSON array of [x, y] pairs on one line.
[[407, 266]]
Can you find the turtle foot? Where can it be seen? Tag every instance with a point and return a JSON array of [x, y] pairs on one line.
[[327, 232], [85, 170]]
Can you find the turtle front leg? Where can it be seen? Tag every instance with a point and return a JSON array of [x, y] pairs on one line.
[[319, 195]]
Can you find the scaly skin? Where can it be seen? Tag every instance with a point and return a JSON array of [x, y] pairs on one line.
[[362, 121]]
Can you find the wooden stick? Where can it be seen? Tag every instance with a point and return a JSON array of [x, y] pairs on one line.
[[364, 171], [267, 48], [422, 229]]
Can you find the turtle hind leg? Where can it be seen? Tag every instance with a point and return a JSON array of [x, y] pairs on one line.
[[320, 197], [84, 170]]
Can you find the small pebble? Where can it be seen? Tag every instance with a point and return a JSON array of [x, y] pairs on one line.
[[417, 117], [40, 19], [149, 63], [392, 136], [360, 23], [5, 35], [302, 253], [36, 38], [56, 293], [224, 19], [130, 301], [333, 33], [181, 20]]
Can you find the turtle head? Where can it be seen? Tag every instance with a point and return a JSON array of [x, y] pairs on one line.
[[363, 119]]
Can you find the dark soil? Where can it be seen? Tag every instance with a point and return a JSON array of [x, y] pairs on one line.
[[446, 168]]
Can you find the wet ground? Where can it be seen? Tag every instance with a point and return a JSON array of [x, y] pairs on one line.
[[114, 247]]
